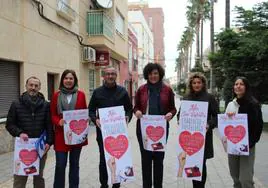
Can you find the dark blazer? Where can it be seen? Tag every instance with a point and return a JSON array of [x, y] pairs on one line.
[[213, 110]]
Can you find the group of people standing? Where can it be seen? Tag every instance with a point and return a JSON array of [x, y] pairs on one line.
[[31, 115]]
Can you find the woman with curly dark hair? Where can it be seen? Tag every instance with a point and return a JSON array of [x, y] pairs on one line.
[[242, 167], [153, 98], [197, 91]]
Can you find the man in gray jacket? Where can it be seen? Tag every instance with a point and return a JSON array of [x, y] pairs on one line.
[[27, 118]]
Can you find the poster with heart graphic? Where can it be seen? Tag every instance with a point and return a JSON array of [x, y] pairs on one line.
[[116, 145], [234, 133], [75, 126], [26, 160], [191, 139], [153, 129]]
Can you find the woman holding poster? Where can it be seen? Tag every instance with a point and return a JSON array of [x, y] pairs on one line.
[[153, 98], [197, 91], [67, 98], [242, 167]]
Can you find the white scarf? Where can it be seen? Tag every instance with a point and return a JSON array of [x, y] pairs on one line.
[[232, 107]]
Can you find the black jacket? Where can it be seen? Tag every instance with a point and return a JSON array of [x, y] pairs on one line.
[[255, 123], [30, 119], [213, 110], [109, 97]]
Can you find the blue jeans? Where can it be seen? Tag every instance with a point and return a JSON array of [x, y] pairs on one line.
[[61, 162]]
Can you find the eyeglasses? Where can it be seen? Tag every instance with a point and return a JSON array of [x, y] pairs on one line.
[[110, 74]]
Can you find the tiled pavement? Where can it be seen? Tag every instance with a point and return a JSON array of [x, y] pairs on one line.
[[218, 172]]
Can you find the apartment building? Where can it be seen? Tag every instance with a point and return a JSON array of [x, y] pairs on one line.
[[145, 41], [155, 20], [44, 37]]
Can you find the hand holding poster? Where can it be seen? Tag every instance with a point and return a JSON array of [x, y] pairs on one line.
[[26, 160], [75, 126], [234, 133], [116, 144], [153, 128], [191, 139]]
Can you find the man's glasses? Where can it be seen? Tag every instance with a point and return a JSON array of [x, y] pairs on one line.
[[110, 74]]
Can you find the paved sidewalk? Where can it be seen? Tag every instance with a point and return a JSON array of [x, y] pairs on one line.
[[218, 173]]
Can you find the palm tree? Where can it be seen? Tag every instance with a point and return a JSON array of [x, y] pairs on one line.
[[206, 16], [197, 11], [184, 49]]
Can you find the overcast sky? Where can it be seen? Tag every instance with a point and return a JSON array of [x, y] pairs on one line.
[[175, 21]]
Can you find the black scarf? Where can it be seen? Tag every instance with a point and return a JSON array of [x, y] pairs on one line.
[[154, 98], [33, 101]]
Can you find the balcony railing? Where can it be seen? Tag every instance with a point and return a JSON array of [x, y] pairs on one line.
[[65, 10], [98, 23]]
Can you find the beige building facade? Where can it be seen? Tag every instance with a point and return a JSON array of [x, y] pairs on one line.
[[107, 30], [41, 38]]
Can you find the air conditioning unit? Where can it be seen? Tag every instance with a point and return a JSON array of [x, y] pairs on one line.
[[89, 54]]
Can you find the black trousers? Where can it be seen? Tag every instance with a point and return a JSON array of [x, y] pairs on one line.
[[103, 175], [152, 164], [201, 184]]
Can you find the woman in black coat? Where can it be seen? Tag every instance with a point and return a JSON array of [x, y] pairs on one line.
[[242, 167], [197, 91]]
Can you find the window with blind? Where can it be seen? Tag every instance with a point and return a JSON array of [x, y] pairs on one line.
[[9, 85], [120, 23]]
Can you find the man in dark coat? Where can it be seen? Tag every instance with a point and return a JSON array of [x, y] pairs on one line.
[[108, 95], [28, 118]]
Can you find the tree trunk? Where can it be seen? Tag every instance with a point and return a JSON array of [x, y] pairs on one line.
[[197, 42], [202, 38], [187, 60], [227, 13], [191, 49], [212, 81]]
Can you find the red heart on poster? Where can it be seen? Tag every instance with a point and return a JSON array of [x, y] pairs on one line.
[[235, 134], [28, 157], [155, 133], [191, 143], [116, 146], [78, 127]]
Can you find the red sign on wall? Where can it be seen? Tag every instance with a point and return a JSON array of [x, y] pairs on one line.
[[102, 58]]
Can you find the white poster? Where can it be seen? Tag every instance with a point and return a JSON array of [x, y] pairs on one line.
[[153, 129], [191, 139], [26, 160], [234, 133], [75, 126], [116, 144]]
